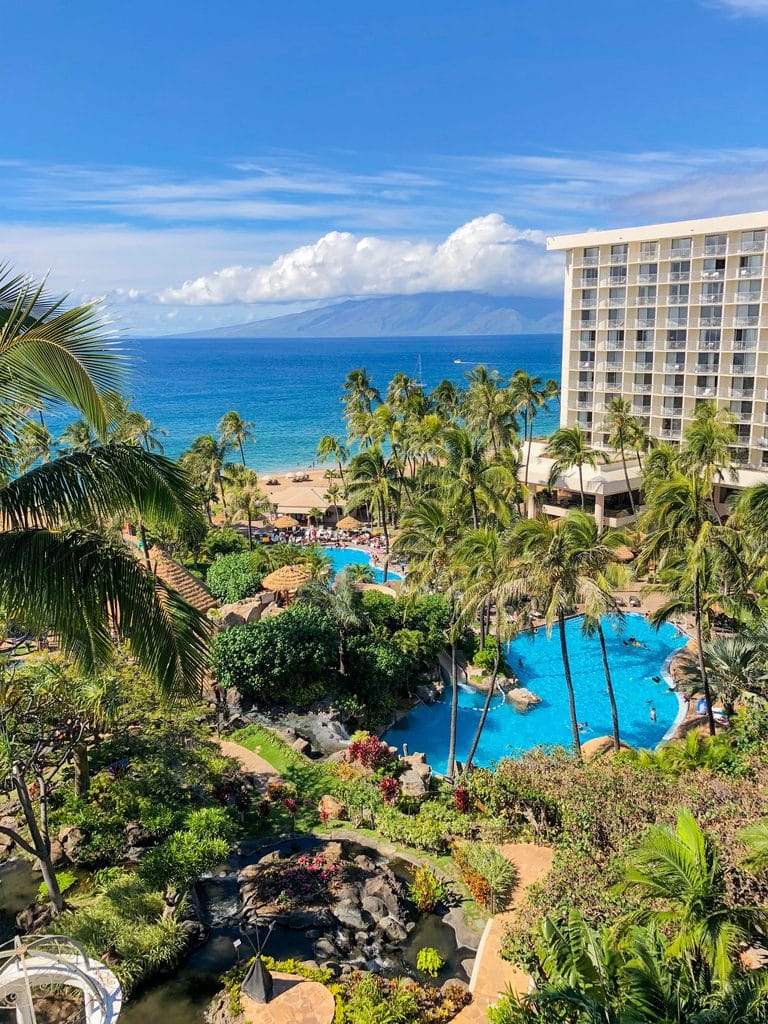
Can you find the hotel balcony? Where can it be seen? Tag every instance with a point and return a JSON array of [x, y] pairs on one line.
[[707, 369], [709, 346], [642, 389], [741, 392], [677, 321], [750, 246], [670, 433], [645, 325], [679, 275], [585, 261], [586, 364], [645, 300], [612, 325], [677, 343], [674, 367], [647, 278], [676, 254], [712, 275], [705, 391], [643, 345], [613, 345], [672, 389], [617, 258], [762, 442], [746, 321], [750, 271], [640, 410], [744, 346], [715, 249], [710, 321], [614, 281], [584, 406]]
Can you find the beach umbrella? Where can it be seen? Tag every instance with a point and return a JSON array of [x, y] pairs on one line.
[[285, 522], [349, 523], [624, 553], [287, 579]]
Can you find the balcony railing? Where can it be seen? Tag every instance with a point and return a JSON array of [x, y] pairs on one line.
[[677, 321], [644, 324], [750, 271], [670, 433], [586, 261], [642, 367], [646, 300], [677, 343], [762, 442], [713, 249], [746, 321], [672, 389], [671, 410], [706, 368], [618, 258], [676, 254], [642, 345], [640, 410], [712, 275], [586, 364], [744, 346], [705, 391], [641, 389], [614, 281], [674, 367], [585, 303], [586, 406], [741, 392], [750, 246], [709, 346], [613, 344], [710, 321], [679, 275], [612, 325], [647, 278]]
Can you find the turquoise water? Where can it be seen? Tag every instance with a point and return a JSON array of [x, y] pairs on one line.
[[342, 557], [537, 661], [291, 388]]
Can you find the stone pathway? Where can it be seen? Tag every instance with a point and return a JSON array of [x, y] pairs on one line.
[[261, 771], [294, 1001], [492, 975]]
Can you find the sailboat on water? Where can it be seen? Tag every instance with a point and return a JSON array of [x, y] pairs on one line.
[[418, 381]]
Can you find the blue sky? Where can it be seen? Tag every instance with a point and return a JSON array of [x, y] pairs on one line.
[[200, 163]]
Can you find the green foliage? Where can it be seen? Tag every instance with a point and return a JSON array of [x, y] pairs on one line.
[[426, 889], [421, 831], [429, 961], [288, 658], [180, 859], [485, 658], [127, 921], [236, 576], [372, 1002], [489, 875], [66, 880], [223, 540]]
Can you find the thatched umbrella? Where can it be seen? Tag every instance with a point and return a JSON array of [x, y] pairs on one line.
[[285, 522], [623, 553], [349, 523], [287, 579]]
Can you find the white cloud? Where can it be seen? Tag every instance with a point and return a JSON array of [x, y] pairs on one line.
[[754, 7], [486, 254]]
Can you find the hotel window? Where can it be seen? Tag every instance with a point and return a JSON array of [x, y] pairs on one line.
[[750, 266], [647, 272], [615, 335], [589, 296], [649, 250], [679, 247], [676, 337], [715, 245], [711, 316], [615, 316], [591, 254], [743, 362], [680, 270], [644, 338], [745, 337], [589, 277], [586, 356], [646, 295], [710, 339], [753, 240], [619, 252], [588, 316], [585, 337], [678, 293], [618, 275], [712, 291], [613, 380], [586, 379], [617, 296], [646, 317], [713, 269], [747, 290], [678, 314], [614, 359], [748, 315]]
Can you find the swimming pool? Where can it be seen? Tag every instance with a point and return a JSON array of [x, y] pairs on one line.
[[537, 662], [342, 557]]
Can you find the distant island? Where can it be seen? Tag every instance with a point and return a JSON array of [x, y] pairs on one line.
[[438, 314]]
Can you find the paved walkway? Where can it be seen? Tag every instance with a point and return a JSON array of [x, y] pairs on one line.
[[252, 764], [492, 975], [294, 1001]]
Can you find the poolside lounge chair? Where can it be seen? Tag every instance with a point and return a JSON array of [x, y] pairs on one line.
[[634, 602]]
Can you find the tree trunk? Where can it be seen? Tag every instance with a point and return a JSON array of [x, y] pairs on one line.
[[386, 533], [82, 770], [488, 699], [39, 842], [626, 478], [242, 453], [569, 685], [341, 473], [143, 535], [250, 532], [700, 653], [221, 488], [609, 688], [581, 485], [454, 694], [528, 457], [473, 500]]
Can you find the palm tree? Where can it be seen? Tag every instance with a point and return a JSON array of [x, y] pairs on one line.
[[315, 515], [488, 408], [33, 444], [445, 400], [698, 561], [706, 444], [622, 428], [528, 395], [331, 447], [427, 543], [679, 878], [77, 436], [210, 457], [660, 463], [593, 554], [343, 603], [735, 672], [371, 483], [249, 500], [469, 472], [568, 446], [359, 394], [236, 432], [555, 579], [333, 497], [487, 577]]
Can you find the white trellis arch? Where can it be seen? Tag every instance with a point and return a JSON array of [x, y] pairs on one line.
[[35, 961]]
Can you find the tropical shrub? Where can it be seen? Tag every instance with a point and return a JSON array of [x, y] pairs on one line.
[[429, 961], [223, 541], [487, 873], [485, 658], [370, 752], [286, 659], [234, 577], [426, 890]]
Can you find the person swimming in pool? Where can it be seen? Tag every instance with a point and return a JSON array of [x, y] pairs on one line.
[[583, 726], [653, 713]]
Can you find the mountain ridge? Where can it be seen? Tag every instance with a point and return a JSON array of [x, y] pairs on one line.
[[429, 314]]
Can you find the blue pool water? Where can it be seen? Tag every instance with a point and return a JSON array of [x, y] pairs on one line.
[[537, 662], [342, 557]]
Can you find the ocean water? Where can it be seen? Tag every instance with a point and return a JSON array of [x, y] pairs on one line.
[[638, 681], [291, 388]]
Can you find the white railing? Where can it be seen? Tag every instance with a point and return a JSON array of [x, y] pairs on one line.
[[709, 346], [614, 281], [586, 261], [750, 271], [679, 275], [750, 246], [677, 343], [708, 369], [712, 275], [746, 321], [762, 442], [744, 346], [674, 367], [712, 249], [647, 278], [612, 325], [677, 321], [614, 345], [586, 364], [705, 391], [641, 389], [676, 254], [642, 345], [645, 324], [710, 321], [741, 392], [646, 300], [670, 433], [672, 389], [618, 257]]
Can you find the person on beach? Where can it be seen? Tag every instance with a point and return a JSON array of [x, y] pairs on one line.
[[653, 713]]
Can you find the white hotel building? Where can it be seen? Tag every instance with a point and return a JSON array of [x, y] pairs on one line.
[[668, 316]]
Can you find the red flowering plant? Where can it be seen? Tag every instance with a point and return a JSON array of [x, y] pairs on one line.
[[461, 799], [370, 752], [389, 787]]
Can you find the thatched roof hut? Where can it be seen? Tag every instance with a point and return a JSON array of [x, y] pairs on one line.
[[287, 579], [284, 523], [182, 581], [349, 523]]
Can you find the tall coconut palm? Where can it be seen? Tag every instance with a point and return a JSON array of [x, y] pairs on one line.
[[445, 399], [343, 603], [528, 396], [371, 482], [427, 543], [487, 571], [469, 472], [332, 447], [359, 394], [249, 500], [488, 408], [678, 874], [622, 428], [209, 456], [734, 665], [555, 580], [333, 497], [77, 436], [689, 549], [569, 447], [236, 432], [33, 443]]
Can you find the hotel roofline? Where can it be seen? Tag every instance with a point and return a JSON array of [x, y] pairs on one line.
[[651, 232]]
